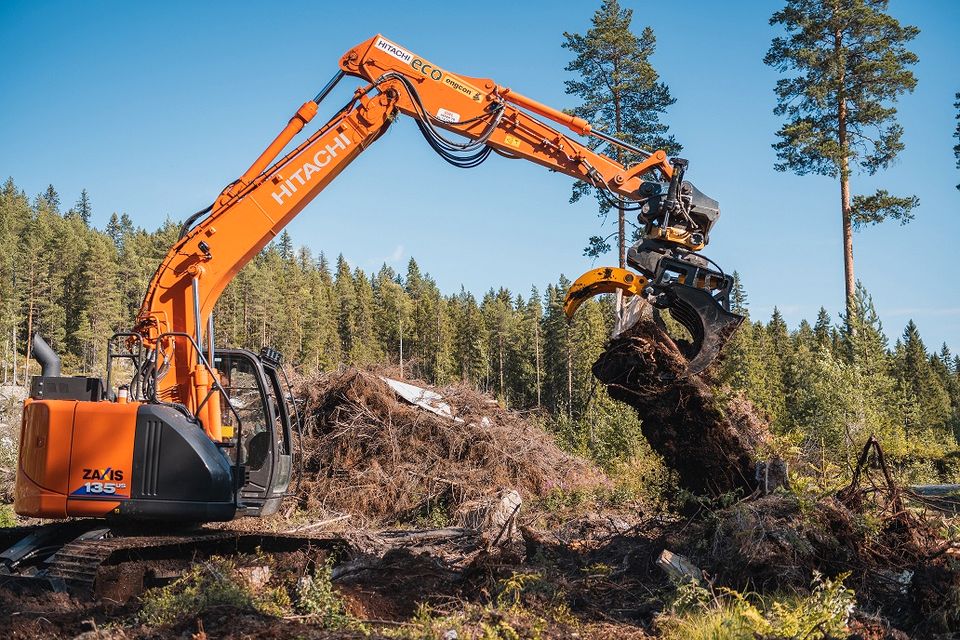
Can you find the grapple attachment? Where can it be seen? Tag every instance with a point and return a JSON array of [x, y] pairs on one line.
[[696, 297]]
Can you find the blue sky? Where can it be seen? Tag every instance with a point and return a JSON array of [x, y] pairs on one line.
[[154, 107]]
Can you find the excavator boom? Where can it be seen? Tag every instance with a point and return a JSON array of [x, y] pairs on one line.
[[159, 464]]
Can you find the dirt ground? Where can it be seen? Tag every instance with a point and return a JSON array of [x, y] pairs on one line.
[[427, 549]]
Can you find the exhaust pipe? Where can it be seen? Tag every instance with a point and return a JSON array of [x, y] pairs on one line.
[[46, 356]]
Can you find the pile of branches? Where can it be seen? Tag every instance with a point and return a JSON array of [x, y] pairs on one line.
[[898, 562], [369, 453]]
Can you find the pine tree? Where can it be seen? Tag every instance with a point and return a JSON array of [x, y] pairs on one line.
[[622, 95], [847, 64]]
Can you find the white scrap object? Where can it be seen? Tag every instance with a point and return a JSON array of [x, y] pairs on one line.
[[678, 567], [423, 398], [629, 314]]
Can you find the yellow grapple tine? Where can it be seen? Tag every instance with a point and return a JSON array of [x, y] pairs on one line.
[[602, 280]]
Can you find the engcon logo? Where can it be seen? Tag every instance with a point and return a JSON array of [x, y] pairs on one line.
[[304, 174]]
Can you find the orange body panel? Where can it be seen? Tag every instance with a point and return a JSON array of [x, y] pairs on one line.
[[44, 468], [101, 462], [76, 457]]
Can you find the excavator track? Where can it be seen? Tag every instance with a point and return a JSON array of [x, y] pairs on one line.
[[113, 563]]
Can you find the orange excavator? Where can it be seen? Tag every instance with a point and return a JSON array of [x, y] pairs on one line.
[[197, 433]]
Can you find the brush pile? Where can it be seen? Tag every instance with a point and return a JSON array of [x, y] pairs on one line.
[[368, 452]]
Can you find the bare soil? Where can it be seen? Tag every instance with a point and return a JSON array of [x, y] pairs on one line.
[[389, 463]]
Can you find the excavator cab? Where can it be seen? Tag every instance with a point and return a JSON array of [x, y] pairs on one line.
[[127, 455], [258, 410]]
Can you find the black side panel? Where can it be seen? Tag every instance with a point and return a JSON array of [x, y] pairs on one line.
[[65, 388], [176, 511], [178, 472]]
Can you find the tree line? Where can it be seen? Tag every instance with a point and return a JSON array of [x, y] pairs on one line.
[[823, 385]]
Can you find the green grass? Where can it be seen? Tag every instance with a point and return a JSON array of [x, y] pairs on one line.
[[7, 516], [701, 614]]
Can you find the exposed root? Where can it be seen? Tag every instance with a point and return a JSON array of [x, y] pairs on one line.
[[712, 446]]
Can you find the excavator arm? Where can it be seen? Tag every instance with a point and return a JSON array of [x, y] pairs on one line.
[[484, 117]]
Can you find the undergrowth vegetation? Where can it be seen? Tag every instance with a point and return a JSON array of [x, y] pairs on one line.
[[702, 613], [251, 586]]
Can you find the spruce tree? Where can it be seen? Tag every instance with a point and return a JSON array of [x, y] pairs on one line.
[[821, 329], [621, 94], [845, 63], [738, 296], [497, 309], [469, 342], [926, 403], [557, 350], [83, 209], [392, 312], [327, 308], [345, 292], [526, 352], [365, 348], [49, 200]]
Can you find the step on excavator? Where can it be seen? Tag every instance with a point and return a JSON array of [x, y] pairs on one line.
[[197, 433]]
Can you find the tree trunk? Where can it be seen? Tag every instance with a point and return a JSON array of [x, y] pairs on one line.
[[569, 377], [500, 363], [621, 216], [13, 353], [848, 275], [847, 222], [536, 349], [26, 353]]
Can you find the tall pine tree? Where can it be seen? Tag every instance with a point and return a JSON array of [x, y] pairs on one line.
[[845, 63], [621, 94], [956, 133]]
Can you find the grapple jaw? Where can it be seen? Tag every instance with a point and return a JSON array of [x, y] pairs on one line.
[[697, 297], [705, 319]]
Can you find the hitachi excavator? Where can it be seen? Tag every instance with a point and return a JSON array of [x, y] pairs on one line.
[[197, 433]]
